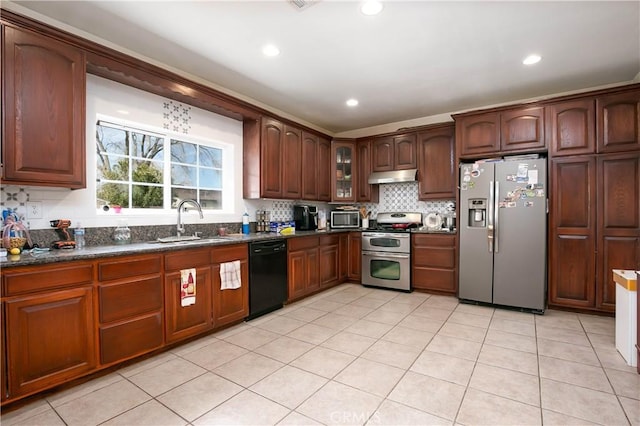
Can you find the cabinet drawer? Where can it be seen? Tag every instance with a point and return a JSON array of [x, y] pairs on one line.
[[120, 301], [129, 267], [303, 243], [187, 259], [131, 338], [434, 257], [431, 240], [328, 240], [35, 278], [230, 253], [434, 279]]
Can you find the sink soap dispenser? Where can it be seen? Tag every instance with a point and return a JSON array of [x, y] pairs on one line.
[[245, 223]]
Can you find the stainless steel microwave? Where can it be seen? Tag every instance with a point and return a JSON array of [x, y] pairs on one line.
[[345, 219]]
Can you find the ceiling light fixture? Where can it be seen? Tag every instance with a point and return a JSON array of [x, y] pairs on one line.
[[270, 50], [352, 102], [371, 7], [532, 59]]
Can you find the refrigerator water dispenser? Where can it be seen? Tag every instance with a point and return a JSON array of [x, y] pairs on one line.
[[477, 212]]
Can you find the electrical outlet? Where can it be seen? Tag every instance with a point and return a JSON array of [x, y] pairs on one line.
[[34, 209]]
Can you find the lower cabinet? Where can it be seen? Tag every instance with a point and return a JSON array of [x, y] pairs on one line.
[[130, 307], [434, 263], [186, 321], [48, 326], [303, 268], [354, 269], [50, 339], [230, 305], [329, 260]]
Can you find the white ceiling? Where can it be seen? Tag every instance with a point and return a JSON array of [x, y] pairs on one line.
[[415, 59]]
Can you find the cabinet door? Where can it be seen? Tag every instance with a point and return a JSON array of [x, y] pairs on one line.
[[44, 111], [51, 339], [343, 168], [364, 191], [297, 274], [343, 257], [522, 129], [404, 152], [324, 170], [292, 167], [382, 155], [329, 273], [572, 228], [230, 305], [436, 164], [618, 121], [434, 263], [4, 385], [271, 147], [311, 166], [313, 270], [478, 134], [571, 127], [186, 321], [355, 256], [618, 221]]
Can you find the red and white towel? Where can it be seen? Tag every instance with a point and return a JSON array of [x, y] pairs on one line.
[[230, 275], [188, 287]]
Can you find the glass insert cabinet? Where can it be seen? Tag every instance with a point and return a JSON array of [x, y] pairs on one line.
[[343, 171]]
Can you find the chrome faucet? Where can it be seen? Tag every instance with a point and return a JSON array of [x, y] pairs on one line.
[[180, 227]]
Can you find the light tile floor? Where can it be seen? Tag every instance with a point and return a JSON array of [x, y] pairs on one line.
[[354, 355]]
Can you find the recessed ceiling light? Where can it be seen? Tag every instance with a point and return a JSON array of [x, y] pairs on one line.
[[123, 111], [532, 59], [352, 102], [371, 7], [270, 50]]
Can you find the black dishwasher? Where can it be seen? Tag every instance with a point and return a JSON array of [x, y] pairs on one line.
[[267, 277]]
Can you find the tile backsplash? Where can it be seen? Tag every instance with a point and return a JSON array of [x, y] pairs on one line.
[[404, 197]]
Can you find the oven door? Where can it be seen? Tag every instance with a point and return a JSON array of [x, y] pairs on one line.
[[387, 242], [388, 270]]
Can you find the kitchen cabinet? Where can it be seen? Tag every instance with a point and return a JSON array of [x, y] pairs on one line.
[[230, 305], [343, 166], [397, 152], [433, 263], [303, 266], [292, 163], [186, 321], [436, 164], [354, 272], [130, 301], [329, 260], [512, 130], [50, 337], [316, 163], [343, 257], [43, 131], [365, 192], [4, 385], [589, 240], [618, 121], [571, 127]]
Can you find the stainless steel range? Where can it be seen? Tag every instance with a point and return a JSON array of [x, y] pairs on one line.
[[386, 251]]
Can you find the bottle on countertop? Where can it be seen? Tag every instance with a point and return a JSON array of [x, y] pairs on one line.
[[245, 223], [78, 236]]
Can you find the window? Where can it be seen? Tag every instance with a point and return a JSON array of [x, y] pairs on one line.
[[141, 169]]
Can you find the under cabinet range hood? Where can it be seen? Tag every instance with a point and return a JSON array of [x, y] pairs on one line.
[[394, 176]]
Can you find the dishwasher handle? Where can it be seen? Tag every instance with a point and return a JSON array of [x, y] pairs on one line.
[[268, 247]]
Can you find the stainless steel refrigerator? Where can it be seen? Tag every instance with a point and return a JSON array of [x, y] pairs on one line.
[[503, 232]]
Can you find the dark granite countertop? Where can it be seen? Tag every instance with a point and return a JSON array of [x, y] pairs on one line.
[[96, 252], [429, 231]]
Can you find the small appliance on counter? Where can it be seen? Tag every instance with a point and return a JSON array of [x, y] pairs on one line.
[[344, 219], [306, 217]]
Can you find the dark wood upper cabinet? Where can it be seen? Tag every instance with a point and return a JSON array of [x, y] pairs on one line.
[[618, 122], [522, 129], [364, 191], [309, 171], [478, 133], [344, 165], [291, 163], [43, 141], [272, 137], [571, 127], [394, 153], [436, 164], [324, 169]]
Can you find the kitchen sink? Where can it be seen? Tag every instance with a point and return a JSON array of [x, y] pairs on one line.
[[189, 239]]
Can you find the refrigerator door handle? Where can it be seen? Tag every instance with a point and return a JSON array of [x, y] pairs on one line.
[[496, 211], [490, 215]]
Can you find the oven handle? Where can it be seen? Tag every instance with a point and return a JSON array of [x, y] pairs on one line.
[[393, 256], [399, 235]]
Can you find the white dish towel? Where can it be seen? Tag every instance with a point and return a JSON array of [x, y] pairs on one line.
[[230, 275]]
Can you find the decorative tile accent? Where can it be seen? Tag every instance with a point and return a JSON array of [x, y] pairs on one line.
[[404, 197], [176, 116], [14, 198]]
